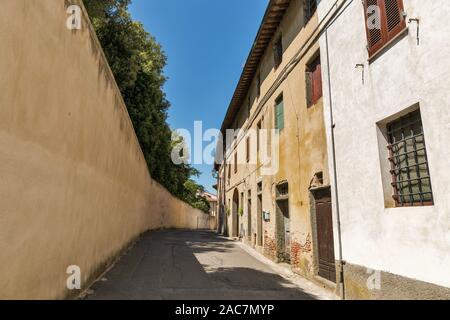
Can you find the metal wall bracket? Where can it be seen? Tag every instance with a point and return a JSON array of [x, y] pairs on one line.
[[416, 20]]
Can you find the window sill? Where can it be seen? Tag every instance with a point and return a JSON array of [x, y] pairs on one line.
[[388, 45]]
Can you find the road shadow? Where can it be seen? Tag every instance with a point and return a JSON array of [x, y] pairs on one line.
[[165, 265]]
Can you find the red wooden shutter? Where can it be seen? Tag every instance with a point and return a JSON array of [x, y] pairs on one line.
[[395, 22], [374, 34], [390, 22], [317, 84], [248, 149]]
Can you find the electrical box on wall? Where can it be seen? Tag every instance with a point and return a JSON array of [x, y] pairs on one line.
[[266, 216]]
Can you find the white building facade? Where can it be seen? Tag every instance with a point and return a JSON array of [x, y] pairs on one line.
[[386, 89]]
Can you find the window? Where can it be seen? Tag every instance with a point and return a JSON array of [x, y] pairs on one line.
[[235, 161], [310, 7], [282, 190], [229, 173], [384, 21], [409, 163], [278, 52], [258, 131], [247, 147], [258, 85], [313, 77], [279, 113]]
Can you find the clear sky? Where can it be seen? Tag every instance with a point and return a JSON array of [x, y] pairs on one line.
[[207, 43]]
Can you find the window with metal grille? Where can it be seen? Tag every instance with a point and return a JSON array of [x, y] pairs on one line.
[[279, 113], [411, 180], [384, 22], [278, 52], [310, 7]]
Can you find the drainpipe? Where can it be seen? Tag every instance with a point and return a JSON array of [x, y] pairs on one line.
[[333, 146]]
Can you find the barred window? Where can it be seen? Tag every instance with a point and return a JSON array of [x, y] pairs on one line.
[[411, 180]]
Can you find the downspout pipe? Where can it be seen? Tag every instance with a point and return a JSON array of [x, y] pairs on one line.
[[333, 147]]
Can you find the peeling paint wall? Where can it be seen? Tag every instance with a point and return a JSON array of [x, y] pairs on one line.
[[74, 185]]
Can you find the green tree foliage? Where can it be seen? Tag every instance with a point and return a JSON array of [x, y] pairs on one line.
[[137, 62]]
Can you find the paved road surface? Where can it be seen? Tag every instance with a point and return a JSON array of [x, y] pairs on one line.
[[192, 265]]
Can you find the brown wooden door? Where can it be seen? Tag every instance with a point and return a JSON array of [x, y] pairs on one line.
[[327, 267], [284, 230]]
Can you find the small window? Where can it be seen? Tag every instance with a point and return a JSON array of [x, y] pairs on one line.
[[259, 187], [279, 113], [384, 22], [411, 180], [247, 147], [313, 77], [310, 7], [235, 162], [278, 52], [258, 85]]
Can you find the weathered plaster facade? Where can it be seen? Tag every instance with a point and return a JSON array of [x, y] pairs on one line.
[[409, 245], [302, 149], [74, 187]]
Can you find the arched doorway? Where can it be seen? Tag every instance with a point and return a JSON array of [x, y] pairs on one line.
[[235, 216]]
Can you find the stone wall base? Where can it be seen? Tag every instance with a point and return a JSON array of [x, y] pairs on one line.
[[364, 284]]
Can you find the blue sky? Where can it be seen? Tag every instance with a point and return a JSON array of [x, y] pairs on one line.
[[207, 43]]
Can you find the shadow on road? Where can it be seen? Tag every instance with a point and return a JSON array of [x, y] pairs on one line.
[[192, 265]]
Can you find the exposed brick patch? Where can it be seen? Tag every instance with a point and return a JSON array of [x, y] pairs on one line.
[[270, 247], [298, 249]]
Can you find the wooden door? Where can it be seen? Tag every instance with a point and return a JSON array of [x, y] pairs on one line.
[[327, 267], [284, 237]]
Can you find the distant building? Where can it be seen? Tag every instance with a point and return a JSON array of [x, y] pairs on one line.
[[212, 200]]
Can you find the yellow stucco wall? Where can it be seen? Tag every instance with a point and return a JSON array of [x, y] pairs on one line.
[[303, 149], [74, 185]]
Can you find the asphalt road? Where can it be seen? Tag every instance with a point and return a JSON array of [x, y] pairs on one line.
[[192, 265]]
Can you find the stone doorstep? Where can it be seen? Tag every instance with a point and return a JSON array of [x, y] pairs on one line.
[[284, 270]]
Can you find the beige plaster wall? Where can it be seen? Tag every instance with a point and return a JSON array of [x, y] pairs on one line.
[[74, 185]]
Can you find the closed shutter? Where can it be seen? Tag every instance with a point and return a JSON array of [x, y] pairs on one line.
[[279, 115], [395, 22], [278, 52], [309, 89], [248, 148], [374, 25], [384, 21], [317, 84]]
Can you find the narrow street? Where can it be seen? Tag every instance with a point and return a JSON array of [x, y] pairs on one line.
[[196, 265]]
